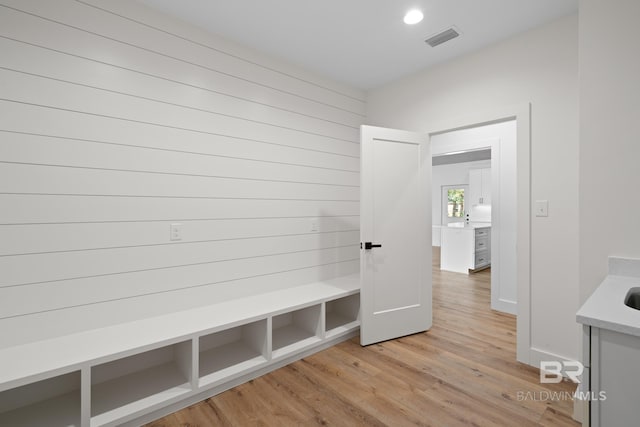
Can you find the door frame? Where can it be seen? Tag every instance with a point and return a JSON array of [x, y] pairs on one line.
[[522, 115]]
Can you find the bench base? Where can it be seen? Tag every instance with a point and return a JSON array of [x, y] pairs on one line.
[[133, 373]]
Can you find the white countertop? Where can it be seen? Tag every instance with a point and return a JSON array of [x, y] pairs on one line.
[[605, 308], [470, 225]]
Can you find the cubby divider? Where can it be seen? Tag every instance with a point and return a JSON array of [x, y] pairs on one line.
[[294, 330], [230, 352], [128, 385], [54, 402]]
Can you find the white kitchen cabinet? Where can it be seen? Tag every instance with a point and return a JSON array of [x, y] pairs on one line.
[[479, 187], [465, 248], [481, 248]]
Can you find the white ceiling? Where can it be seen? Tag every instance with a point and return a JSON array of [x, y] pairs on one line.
[[364, 43]]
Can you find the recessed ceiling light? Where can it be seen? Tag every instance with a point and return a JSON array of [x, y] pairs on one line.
[[413, 17]]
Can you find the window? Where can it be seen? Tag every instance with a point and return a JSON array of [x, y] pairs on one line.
[[452, 203], [455, 203]]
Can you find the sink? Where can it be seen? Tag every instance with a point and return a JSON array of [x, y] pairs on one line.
[[633, 298]]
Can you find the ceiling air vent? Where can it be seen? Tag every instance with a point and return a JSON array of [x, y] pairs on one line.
[[441, 37]]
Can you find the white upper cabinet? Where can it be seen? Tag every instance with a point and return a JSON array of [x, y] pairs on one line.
[[479, 187]]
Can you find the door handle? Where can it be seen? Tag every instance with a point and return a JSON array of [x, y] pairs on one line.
[[369, 245]]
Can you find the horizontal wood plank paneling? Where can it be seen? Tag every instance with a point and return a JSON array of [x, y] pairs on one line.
[[23, 88], [37, 326], [34, 208], [18, 300], [21, 57], [18, 270], [43, 179], [40, 238], [117, 121], [168, 25], [29, 149], [58, 125], [34, 30], [125, 32]]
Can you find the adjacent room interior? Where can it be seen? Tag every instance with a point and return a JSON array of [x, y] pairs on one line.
[[474, 208]]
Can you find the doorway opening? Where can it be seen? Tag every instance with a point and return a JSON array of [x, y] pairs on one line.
[[482, 158], [514, 228], [415, 155]]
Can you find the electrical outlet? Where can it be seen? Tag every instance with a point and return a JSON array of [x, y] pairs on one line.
[[542, 208], [314, 225], [175, 232]]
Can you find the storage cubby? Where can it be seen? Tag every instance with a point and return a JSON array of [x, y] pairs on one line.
[[232, 351], [131, 384], [294, 330], [129, 373], [342, 314], [53, 402]]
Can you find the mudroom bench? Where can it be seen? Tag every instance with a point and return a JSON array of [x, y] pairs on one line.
[[135, 372]]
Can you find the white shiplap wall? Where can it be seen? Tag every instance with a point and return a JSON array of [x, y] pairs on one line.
[[117, 121]]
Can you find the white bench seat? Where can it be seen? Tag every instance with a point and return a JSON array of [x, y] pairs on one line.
[[109, 369]]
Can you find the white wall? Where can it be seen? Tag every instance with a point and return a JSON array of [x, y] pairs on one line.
[[453, 174], [116, 122], [540, 67], [609, 142]]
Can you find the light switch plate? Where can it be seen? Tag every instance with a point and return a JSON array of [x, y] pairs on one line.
[[542, 208], [175, 232]]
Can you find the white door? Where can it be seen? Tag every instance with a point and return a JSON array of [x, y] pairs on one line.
[[395, 232]]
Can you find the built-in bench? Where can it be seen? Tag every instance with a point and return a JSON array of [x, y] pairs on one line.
[[132, 373]]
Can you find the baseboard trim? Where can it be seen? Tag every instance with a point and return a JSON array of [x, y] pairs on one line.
[[505, 306], [537, 355]]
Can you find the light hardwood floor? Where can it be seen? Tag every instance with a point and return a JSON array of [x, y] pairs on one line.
[[461, 372]]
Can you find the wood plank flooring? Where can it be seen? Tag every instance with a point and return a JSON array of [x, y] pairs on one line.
[[461, 372]]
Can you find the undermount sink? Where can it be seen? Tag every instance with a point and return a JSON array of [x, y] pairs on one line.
[[633, 298]]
